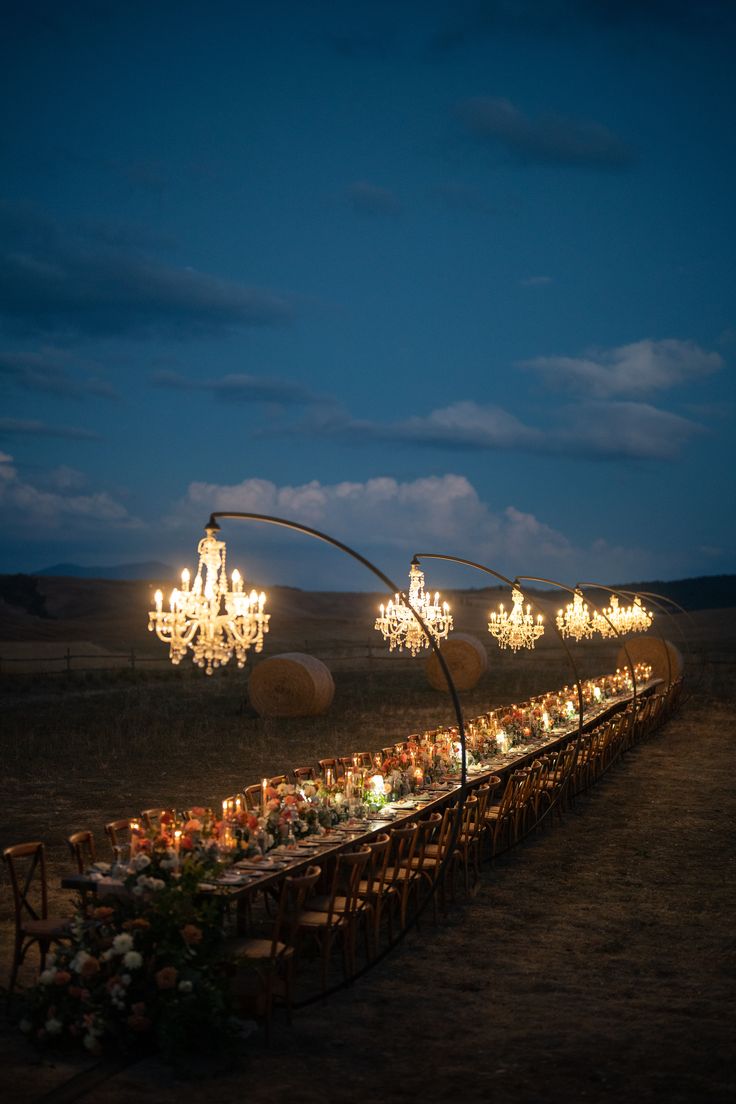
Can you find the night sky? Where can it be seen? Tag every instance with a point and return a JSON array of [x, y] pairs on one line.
[[441, 277]]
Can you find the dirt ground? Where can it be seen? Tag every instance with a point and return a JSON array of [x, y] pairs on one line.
[[597, 961]]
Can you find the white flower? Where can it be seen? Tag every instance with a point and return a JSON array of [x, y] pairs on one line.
[[54, 1026], [26, 1025], [337, 799], [78, 961], [122, 943], [133, 960], [141, 861], [91, 1043], [48, 976], [185, 987], [138, 890], [168, 863], [125, 979]]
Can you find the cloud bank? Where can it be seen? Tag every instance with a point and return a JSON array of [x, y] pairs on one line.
[[635, 369], [28, 505], [75, 281], [548, 139]]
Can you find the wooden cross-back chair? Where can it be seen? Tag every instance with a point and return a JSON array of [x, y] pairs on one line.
[[339, 912], [82, 847], [119, 832], [253, 797], [303, 774], [269, 963], [402, 878], [361, 759], [26, 864], [151, 818]]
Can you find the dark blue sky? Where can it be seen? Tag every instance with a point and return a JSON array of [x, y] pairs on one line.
[[446, 277]]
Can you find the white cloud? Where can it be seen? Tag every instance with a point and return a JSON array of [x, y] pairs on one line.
[[28, 505], [389, 520], [633, 370], [594, 430], [434, 513]]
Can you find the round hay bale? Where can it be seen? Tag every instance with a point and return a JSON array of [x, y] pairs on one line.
[[291, 685], [667, 662], [465, 656]]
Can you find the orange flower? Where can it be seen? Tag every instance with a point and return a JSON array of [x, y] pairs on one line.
[[166, 977], [103, 912], [191, 934], [61, 977], [90, 967], [252, 821], [139, 1023], [139, 923]]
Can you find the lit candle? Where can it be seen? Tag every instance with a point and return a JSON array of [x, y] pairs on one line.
[[328, 777], [237, 806], [134, 830], [264, 787], [177, 845]]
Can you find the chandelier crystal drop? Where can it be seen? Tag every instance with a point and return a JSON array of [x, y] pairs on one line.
[[213, 617], [517, 628], [397, 623], [575, 620]]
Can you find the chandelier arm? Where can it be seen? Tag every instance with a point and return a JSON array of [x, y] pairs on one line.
[[509, 582], [297, 527], [573, 591]]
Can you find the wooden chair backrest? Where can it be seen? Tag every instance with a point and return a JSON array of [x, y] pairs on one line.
[[330, 764], [404, 842], [427, 829], [380, 853], [303, 774], [152, 818], [26, 864], [114, 828], [252, 796], [277, 780], [82, 847], [294, 892], [349, 870], [361, 759]]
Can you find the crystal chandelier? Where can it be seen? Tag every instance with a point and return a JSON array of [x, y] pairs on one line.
[[575, 621], [210, 618], [516, 629], [399, 626], [639, 618], [622, 619], [611, 620]]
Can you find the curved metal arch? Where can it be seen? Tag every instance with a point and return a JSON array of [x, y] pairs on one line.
[[509, 582], [659, 601], [573, 590], [295, 526]]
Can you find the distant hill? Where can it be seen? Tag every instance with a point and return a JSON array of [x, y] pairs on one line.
[[703, 592], [151, 570]]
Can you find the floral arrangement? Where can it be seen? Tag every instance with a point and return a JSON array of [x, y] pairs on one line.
[[140, 970]]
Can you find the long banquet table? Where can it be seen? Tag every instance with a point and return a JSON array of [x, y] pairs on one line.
[[245, 877]]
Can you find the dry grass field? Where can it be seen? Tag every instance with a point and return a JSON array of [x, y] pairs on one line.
[[597, 961]]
